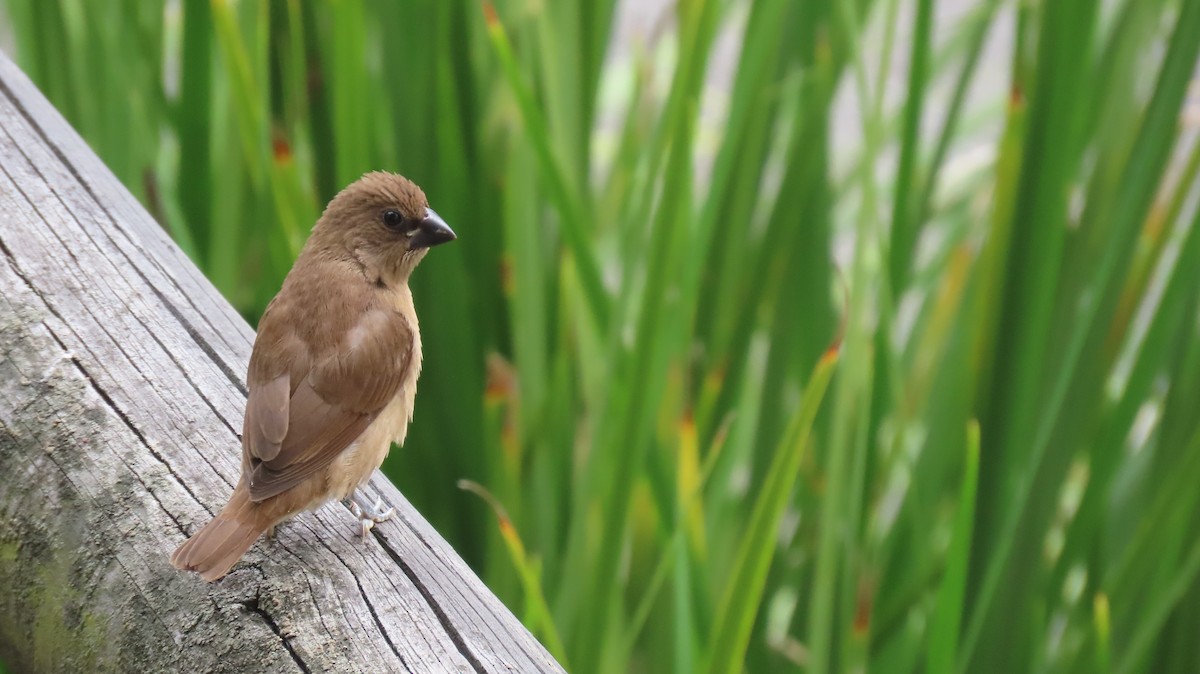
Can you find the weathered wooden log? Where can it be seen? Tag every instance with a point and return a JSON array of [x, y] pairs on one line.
[[121, 396]]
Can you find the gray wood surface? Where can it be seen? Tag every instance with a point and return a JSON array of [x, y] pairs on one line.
[[121, 392]]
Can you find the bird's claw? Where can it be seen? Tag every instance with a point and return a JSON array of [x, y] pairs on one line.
[[369, 515]]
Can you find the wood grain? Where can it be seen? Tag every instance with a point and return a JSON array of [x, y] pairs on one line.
[[121, 386]]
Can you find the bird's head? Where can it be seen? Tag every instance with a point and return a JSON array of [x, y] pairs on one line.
[[383, 221]]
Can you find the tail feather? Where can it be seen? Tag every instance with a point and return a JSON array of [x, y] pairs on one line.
[[219, 545]]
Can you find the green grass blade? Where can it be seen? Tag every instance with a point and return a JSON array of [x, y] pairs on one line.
[[574, 217], [740, 600], [905, 228], [944, 630]]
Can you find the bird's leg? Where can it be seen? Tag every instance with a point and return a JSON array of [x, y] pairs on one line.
[[367, 513]]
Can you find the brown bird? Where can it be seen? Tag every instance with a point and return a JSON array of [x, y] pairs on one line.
[[333, 372]]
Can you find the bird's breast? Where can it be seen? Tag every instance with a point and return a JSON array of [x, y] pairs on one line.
[[355, 465]]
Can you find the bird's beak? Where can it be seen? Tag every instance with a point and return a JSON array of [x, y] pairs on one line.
[[431, 231]]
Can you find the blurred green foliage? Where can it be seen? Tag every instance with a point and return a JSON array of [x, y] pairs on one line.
[[624, 347]]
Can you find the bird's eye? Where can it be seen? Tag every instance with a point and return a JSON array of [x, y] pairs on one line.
[[393, 219]]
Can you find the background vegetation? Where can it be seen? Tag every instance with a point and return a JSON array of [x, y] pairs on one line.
[[633, 335]]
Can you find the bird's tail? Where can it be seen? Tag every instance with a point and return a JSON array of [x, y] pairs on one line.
[[218, 545]]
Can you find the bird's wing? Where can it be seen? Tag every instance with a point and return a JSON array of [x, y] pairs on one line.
[[277, 355], [297, 422]]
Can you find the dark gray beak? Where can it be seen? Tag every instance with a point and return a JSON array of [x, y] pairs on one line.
[[431, 231]]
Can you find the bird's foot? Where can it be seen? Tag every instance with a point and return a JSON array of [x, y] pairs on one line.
[[369, 514]]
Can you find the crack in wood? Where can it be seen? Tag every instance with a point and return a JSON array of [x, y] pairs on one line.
[[451, 629], [129, 424], [19, 104], [370, 605], [375, 616], [252, 606], [200, 341], [112, 405], [473, 602], [188, 378]]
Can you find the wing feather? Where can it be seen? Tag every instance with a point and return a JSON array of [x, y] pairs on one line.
[[267, 419], [299, 419]]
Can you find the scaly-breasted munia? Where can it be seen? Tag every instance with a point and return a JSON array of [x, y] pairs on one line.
[[333, 372]]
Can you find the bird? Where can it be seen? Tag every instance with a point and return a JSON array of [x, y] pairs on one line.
[[333, 372]]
